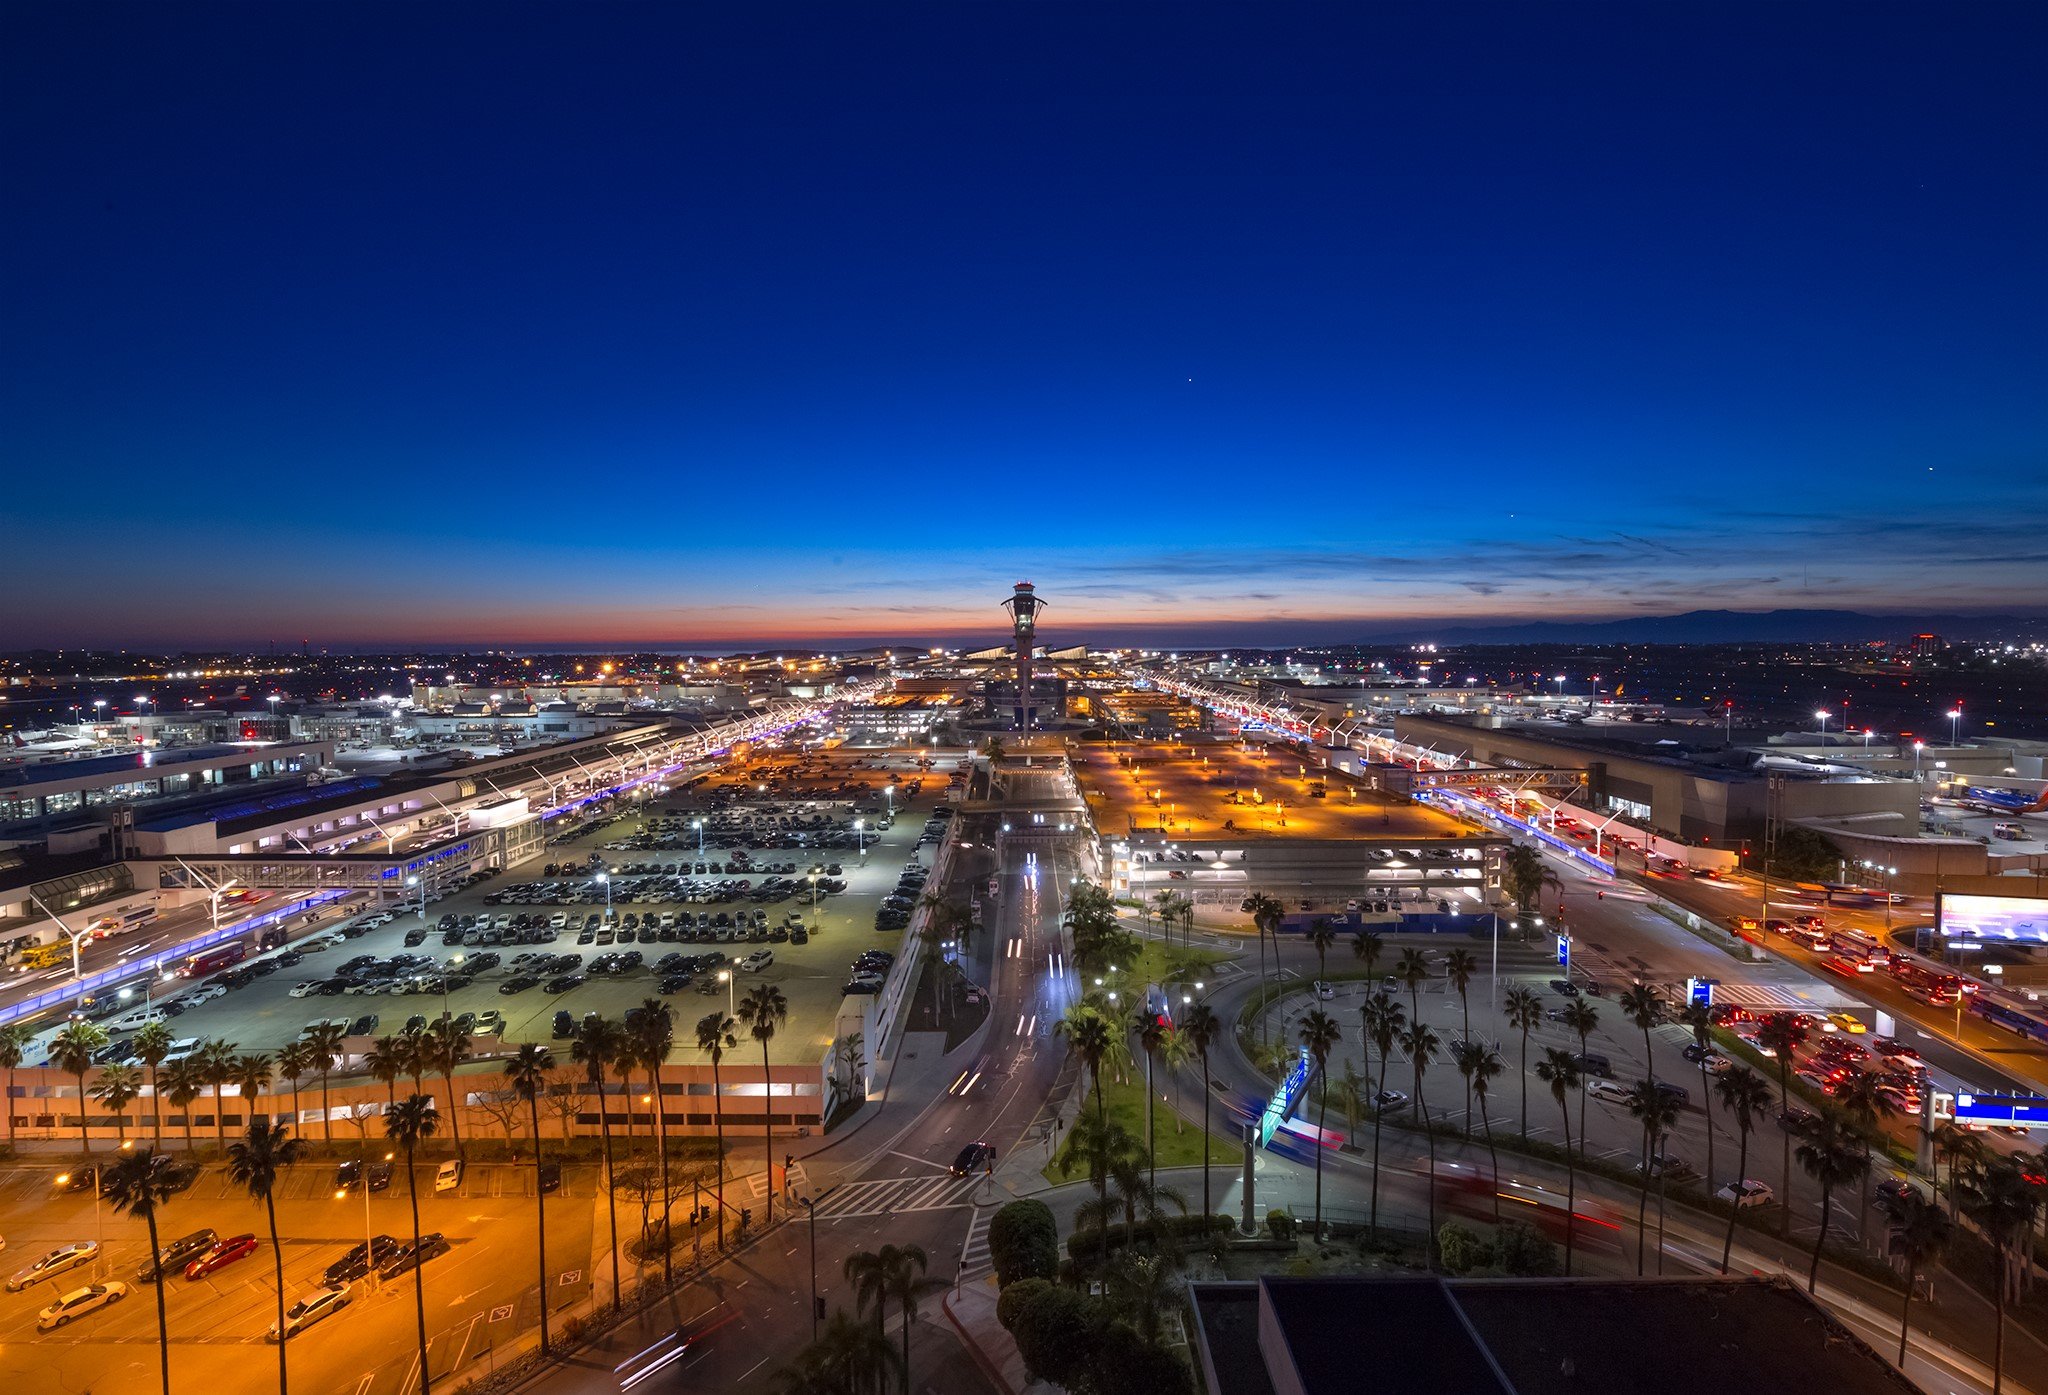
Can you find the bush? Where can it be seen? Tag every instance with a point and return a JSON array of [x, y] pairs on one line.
[[1086, 1245], [1525, 1252], [1024, 1242], [1279, 1224], [1014, 1297], [1121, 1362], [1461, 1249], [1052, 1331]]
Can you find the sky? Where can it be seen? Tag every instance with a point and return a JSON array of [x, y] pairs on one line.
[[522, 325]]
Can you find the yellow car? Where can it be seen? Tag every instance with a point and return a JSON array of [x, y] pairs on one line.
[[1848, 1023]]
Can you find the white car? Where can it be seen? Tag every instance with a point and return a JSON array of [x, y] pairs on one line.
[[205, 995], [78, 1303], [55, 1263], [305, 989], [1324, 992], [1612, 1091], [137, 1020], [320, 1303], [1747, 1193]]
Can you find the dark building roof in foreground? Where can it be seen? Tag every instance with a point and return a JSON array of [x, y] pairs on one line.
[[1424, 1336]]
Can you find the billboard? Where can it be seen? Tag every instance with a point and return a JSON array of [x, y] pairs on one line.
[[2016, 918]]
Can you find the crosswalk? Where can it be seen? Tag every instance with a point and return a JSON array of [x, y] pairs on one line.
[[974, 1256], [892, 1195]]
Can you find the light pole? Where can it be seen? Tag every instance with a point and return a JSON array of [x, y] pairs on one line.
[[415, 881], [890, 792], [698, 824], [859, 841], [98, 706], [1918, 747], [731, 993], [1822, 717], [811, 1209], [604, 879], [1955, 725]]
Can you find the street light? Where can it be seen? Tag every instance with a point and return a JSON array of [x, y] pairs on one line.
[[1822, 717], [415, 881], [1918, 747], [859, 842], [731, 1005], [698, 824], [1955, 725], [604, 879]]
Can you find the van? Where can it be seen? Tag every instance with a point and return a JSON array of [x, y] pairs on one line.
[[449, 1177]]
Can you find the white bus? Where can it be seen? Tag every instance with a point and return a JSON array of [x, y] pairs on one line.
[[120, 923]]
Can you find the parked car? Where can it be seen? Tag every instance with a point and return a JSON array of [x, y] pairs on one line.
[[220, 1255], [373, 1253], [320, 1303], [1747, 1193], [78, 1303], [56, 1262], [449, 1176], [173, 1258], [411, 1257]]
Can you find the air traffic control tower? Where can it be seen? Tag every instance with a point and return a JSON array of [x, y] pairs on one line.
[[1023, 606]]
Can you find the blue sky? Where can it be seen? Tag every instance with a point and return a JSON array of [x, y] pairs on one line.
[[642, 323]]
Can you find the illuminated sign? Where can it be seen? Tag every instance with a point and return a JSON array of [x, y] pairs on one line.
[[1282, 1103], [2026, 1111], [2021, 918]]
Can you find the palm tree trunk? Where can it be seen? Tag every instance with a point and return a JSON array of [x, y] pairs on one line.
[[906, 1349], [1486, 1121], [297, 1113], [1998, 1325], [454, 1114], [718, 1123], [668, 1273], [768, 1130], [1525, 1086], [1372, 1221], [188, 1128], [277, 1270], [156, 1113], [540, 1218], [1429, 1246], [220, 1128], [1151, 1153], [1571, 1191], [611, 1201], [1741, 1171], [326, 1114], [1905, 1310], [1707, 1104], [1262, 981], [83, 1137], [1813, 1272], [419, 1291], [1661, 1142], [163, 1330], [10, 1109], [1207, 1209], [1643, 1206], [1785, 1201], [1322, 1117]]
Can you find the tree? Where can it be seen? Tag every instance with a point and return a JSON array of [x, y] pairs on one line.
[[653, 1035], [1366, 948], [1641, 1005], [1319, 1032], [1104, 1146], [217, 1059], [2000, 1199], [1411, 967], [1384, 1021], [1523, 876], [117, 1087], [903, 1280], [152, 1044], [1052, 1332], [1920, 1232], [184, 1082], [140, 1185], [1321, 935], [1152, 1034], [1088, 1037], [716, 1035], [1832, 1159], [294, 1063], [596, 1048], [1861, 1099], [1422, 1044], [71, 1052], [386, 1061], [849, 1356], [1780, 1035], [324, 1044], [1560, 1071], [410, 1123], [1965, 1150], [250, 1075], [1582, 1017], [528, 1071], [1267, 913], [442, 1049], [1802, 855], [1459, 967], [1199, 1028], [1700, 1022], [1746, 1095], [254, 1162], [1656, 1111], [764, 1009], [1023, 1242], [1524, 1010], [1480, 1064]]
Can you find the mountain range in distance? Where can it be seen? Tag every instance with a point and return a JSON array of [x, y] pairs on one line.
[[1734, 627]]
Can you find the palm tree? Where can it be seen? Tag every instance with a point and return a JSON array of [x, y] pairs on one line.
[[1921, 1232], [1384, 1020], [323, 1048], [528, 1071], [1088, 1037], [849, 1356], [1322, 934], [71, 1053], [902, 1269], [2000, 1199], [1199, 1029], [1366, 947], [217, 1059], [1267, 913], [1696, 1017], [654, 1036], [1656, 1111], [1320, 1032], [1641, 1005], [1746, 1095], [1524, 1010], [1781, 1034], [249, 1075], [1480, 1064], [1582, 1017], [1560, 1071], [1862, 1101], [763, 1010], [410, 1123], [1965, 1150], [1459, 967], [1411, 967], [118, 1087], [14, 1040], [294, 1063], [1422, 1044], [1152, 1035], [442, 1049], [1524, 874], [716, 1035], [597, 1046], [253, 1165], [1831, 1158], [184, 1083], [138, 1185], [152, 1044], [1100, 1144], [386, 1061]]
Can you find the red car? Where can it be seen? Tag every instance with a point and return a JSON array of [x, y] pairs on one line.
[[221, 1255]]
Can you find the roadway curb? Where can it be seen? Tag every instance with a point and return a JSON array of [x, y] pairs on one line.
[[981, 1358]]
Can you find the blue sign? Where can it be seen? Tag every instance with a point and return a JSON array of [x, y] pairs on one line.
[[1564, 951], [2027, 1111], [1700, 991], [1282, 1103]]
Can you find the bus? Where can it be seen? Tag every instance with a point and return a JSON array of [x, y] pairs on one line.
[[134, 918], [219, 957], [1925, 985], [2019, 1023]]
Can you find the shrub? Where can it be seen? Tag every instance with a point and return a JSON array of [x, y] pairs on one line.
[[1016, 1296], [1524, 1251], [1086, 1246], [1279, 1224], [1461, 1249], [1024, 1242], [1052, 1331], [1121, 1362]]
